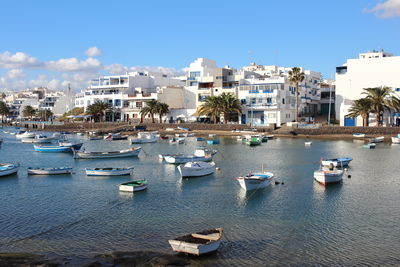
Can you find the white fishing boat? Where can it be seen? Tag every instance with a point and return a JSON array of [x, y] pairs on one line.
[[145, 137], [8, 169], [109, 171], [38, 139], [369, 145], [198, 243], [358, 135], [200, 154], [337, 162], [379, 139], [328, 176], [196, 169], [133, 186], [395, 140], [309, 143], [255, 180], [131, 152], [49, 171], [176, 141], [24, 134]]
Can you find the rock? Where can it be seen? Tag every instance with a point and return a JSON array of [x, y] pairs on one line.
[[25, 259]]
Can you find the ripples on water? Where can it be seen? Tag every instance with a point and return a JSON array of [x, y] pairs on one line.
[[297, 223]]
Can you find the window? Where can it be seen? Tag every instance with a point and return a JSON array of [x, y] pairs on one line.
[[117, 102], [194, 74], [269, 100], [126, 104], [218, 77], [139, 104], [194, 83], [283, 101], [252, 100], [243, 101]]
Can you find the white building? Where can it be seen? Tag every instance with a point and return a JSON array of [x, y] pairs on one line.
[[371, 69], [128, 93]]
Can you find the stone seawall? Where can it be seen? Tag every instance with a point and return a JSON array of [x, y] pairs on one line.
[[342, 130]]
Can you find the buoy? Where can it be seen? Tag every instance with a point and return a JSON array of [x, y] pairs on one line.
[[218, 168], [349, 176], [283, 183]]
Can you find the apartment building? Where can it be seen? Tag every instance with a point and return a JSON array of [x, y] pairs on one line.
[[371, 69]]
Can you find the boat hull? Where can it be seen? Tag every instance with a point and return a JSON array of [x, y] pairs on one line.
[[94, 172], [9, 171], [183, 159], [196, 172], [52, 149], [253, 184], [195, 249], [103, 155], [49, 172], [395, 140], [144, 140], [337, 162], [128, 188], [328, 177]]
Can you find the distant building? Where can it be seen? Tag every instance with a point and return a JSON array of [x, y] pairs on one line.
[[371, 69]]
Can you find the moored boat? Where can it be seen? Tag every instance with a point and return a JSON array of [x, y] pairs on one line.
[[200, 154], [337, 162], [213, 142], [131, 152], [145, 137], [133, 186], [109, 171], [198, 243], [196, 169], [253, 140], [24, 134], [38, 139], [115, 137], [264, 139], [369, 145], [359, 135], [55, 148], [49, 171], [328, 176], [395, 140], [379, 139], [8, 169], [309, 143], [200, 139], [175, 140], [255, 180]]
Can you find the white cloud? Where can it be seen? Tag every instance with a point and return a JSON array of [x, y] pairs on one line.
[[17, 60], [15, 74], [73, 64], [93, 52], [387, 9], [116, 69]]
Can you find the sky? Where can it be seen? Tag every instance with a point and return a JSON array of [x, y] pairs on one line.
[[55, 43]]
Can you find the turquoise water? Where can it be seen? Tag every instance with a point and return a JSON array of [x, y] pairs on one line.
[[297, 223]]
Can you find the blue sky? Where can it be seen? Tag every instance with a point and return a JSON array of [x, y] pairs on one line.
[[318, 35]]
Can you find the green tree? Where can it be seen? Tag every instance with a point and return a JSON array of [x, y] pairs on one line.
[[44, 114], [296, 76], [151, 108], [361, 107], [28, 111], [379, 98], [230, 104], [212, 106], [4, 110], [162, 109], [98, 109]]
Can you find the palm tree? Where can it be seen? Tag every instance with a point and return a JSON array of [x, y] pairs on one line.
[[150, 109], [212, 106], [361, 107], [28, 111], [44, 114], [296, 76], [379, 98], [98, 109], [162, 109], [394, 103], [4, 110], [230, 104]]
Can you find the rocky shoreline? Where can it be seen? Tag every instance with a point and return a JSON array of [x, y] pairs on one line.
[[114, 259]]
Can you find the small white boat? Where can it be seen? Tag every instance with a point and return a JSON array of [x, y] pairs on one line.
[[395, 140], [145, 137], [198, 243], [200, 154], [328, 176], [24, 134], [369, 145], [253, 140], [358, 135], [80, 134], [133, 186], [131, 152], [109, 171], [338, 162], [115, 137], [255, 181], [269, 136], [38, 139], [196, 169], [180, 134], [377, 139], [8, 169], [49, 171], [175, 140], [211, 135], [308, 143]]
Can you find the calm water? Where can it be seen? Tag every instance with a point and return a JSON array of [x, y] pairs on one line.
[[298, 223]]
